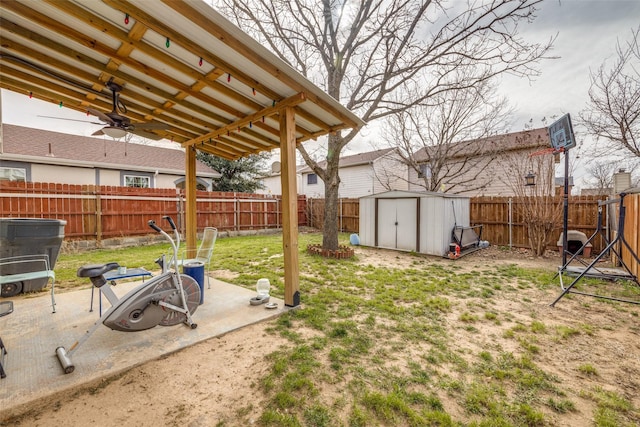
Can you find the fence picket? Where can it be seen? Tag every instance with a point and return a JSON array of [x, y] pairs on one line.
[[101, 212]]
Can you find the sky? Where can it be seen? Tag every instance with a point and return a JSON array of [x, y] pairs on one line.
[[587, 32]]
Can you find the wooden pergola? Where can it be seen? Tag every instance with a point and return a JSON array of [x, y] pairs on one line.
[[201, 81]]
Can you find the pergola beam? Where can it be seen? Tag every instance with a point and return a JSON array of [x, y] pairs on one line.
[[292, 101]]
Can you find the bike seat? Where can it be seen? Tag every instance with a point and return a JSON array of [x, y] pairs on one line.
[[97, 270]]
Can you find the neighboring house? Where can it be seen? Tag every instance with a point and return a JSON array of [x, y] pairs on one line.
[[596, 191], [559, 185], [485, 164], [35, 155], [361, 175], [272, 185]]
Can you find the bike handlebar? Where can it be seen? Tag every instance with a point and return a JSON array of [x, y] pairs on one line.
[[153, 225], [171, 223]]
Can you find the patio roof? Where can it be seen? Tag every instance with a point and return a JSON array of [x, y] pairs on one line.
[[179, 63]]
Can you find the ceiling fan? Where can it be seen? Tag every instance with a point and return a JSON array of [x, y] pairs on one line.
[[117, 124]]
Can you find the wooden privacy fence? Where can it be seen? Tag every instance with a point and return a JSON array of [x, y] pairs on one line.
[[632, 232], [101, 212], [500, 216], [503, 224], [348, 214]]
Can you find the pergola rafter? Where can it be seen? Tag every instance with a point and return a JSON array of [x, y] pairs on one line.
[[179, 63]]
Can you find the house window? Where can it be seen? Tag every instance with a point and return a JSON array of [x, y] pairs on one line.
[[425, 171], [137, 181], [13, 174], [312, 178]]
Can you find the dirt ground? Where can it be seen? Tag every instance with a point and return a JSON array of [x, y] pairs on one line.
[[209, 383]]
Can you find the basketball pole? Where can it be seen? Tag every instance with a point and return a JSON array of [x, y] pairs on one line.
[[562, 139], [565, 201]]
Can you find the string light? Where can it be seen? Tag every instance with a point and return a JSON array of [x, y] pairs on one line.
[[30, 95], [200, 62], [273, 104], [229, 78], [126, 19], [262, 119], [168, 42], [250, 125], [254, 91], [60, 105]]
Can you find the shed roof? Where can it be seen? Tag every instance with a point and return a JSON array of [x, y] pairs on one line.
[[179, 63], [41, 146], [399, 194]]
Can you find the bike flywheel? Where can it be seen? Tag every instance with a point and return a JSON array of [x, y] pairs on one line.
[[192, 297]]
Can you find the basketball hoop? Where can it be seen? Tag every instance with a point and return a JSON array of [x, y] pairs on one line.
[[548, 150]]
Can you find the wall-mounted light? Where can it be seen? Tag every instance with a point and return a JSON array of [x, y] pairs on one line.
[[530, 179]]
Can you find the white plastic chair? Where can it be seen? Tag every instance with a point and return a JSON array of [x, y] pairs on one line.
[[205, 251]]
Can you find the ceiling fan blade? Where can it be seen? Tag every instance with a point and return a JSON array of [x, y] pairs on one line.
[[102, 116], [72, 120], [152, 126], [144, 134], [98, 132]]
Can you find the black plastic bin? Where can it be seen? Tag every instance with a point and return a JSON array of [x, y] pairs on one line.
[[29, 236]]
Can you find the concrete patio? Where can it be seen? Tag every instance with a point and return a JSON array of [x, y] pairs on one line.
[[32, 333]]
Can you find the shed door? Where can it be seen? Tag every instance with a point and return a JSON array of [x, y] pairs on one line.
[[397, 223]]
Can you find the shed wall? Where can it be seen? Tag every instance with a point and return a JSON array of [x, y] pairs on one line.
[[436, 221], [367, 221]]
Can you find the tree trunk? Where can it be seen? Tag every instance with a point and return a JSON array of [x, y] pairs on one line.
[[331, 195]]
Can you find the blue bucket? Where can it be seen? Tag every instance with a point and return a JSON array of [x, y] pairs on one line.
[[195, 269]]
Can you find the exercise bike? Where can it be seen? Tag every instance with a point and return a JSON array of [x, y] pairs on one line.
[[166, 300]]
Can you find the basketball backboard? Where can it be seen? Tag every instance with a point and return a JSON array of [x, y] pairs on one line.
[[561, 133]]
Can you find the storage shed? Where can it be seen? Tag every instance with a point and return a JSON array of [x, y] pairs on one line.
[[412, 221]]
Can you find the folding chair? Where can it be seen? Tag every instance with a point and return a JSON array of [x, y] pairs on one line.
[[205, 251]]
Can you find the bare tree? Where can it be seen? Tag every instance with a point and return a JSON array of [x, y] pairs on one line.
[[600, 173], [600, 176], [381, 57], [536, 205], [612, 114], [444, 143]]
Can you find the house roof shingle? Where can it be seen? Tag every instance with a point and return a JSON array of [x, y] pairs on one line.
[[41, 146], [523, 140], [355, 159]]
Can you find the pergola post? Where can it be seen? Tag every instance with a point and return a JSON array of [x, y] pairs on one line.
[[191, 217], [289, 207]]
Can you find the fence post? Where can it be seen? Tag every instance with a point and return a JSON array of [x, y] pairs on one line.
[[179, 209], [98, 218], [236, 213], [510, 224], [341, 225]]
